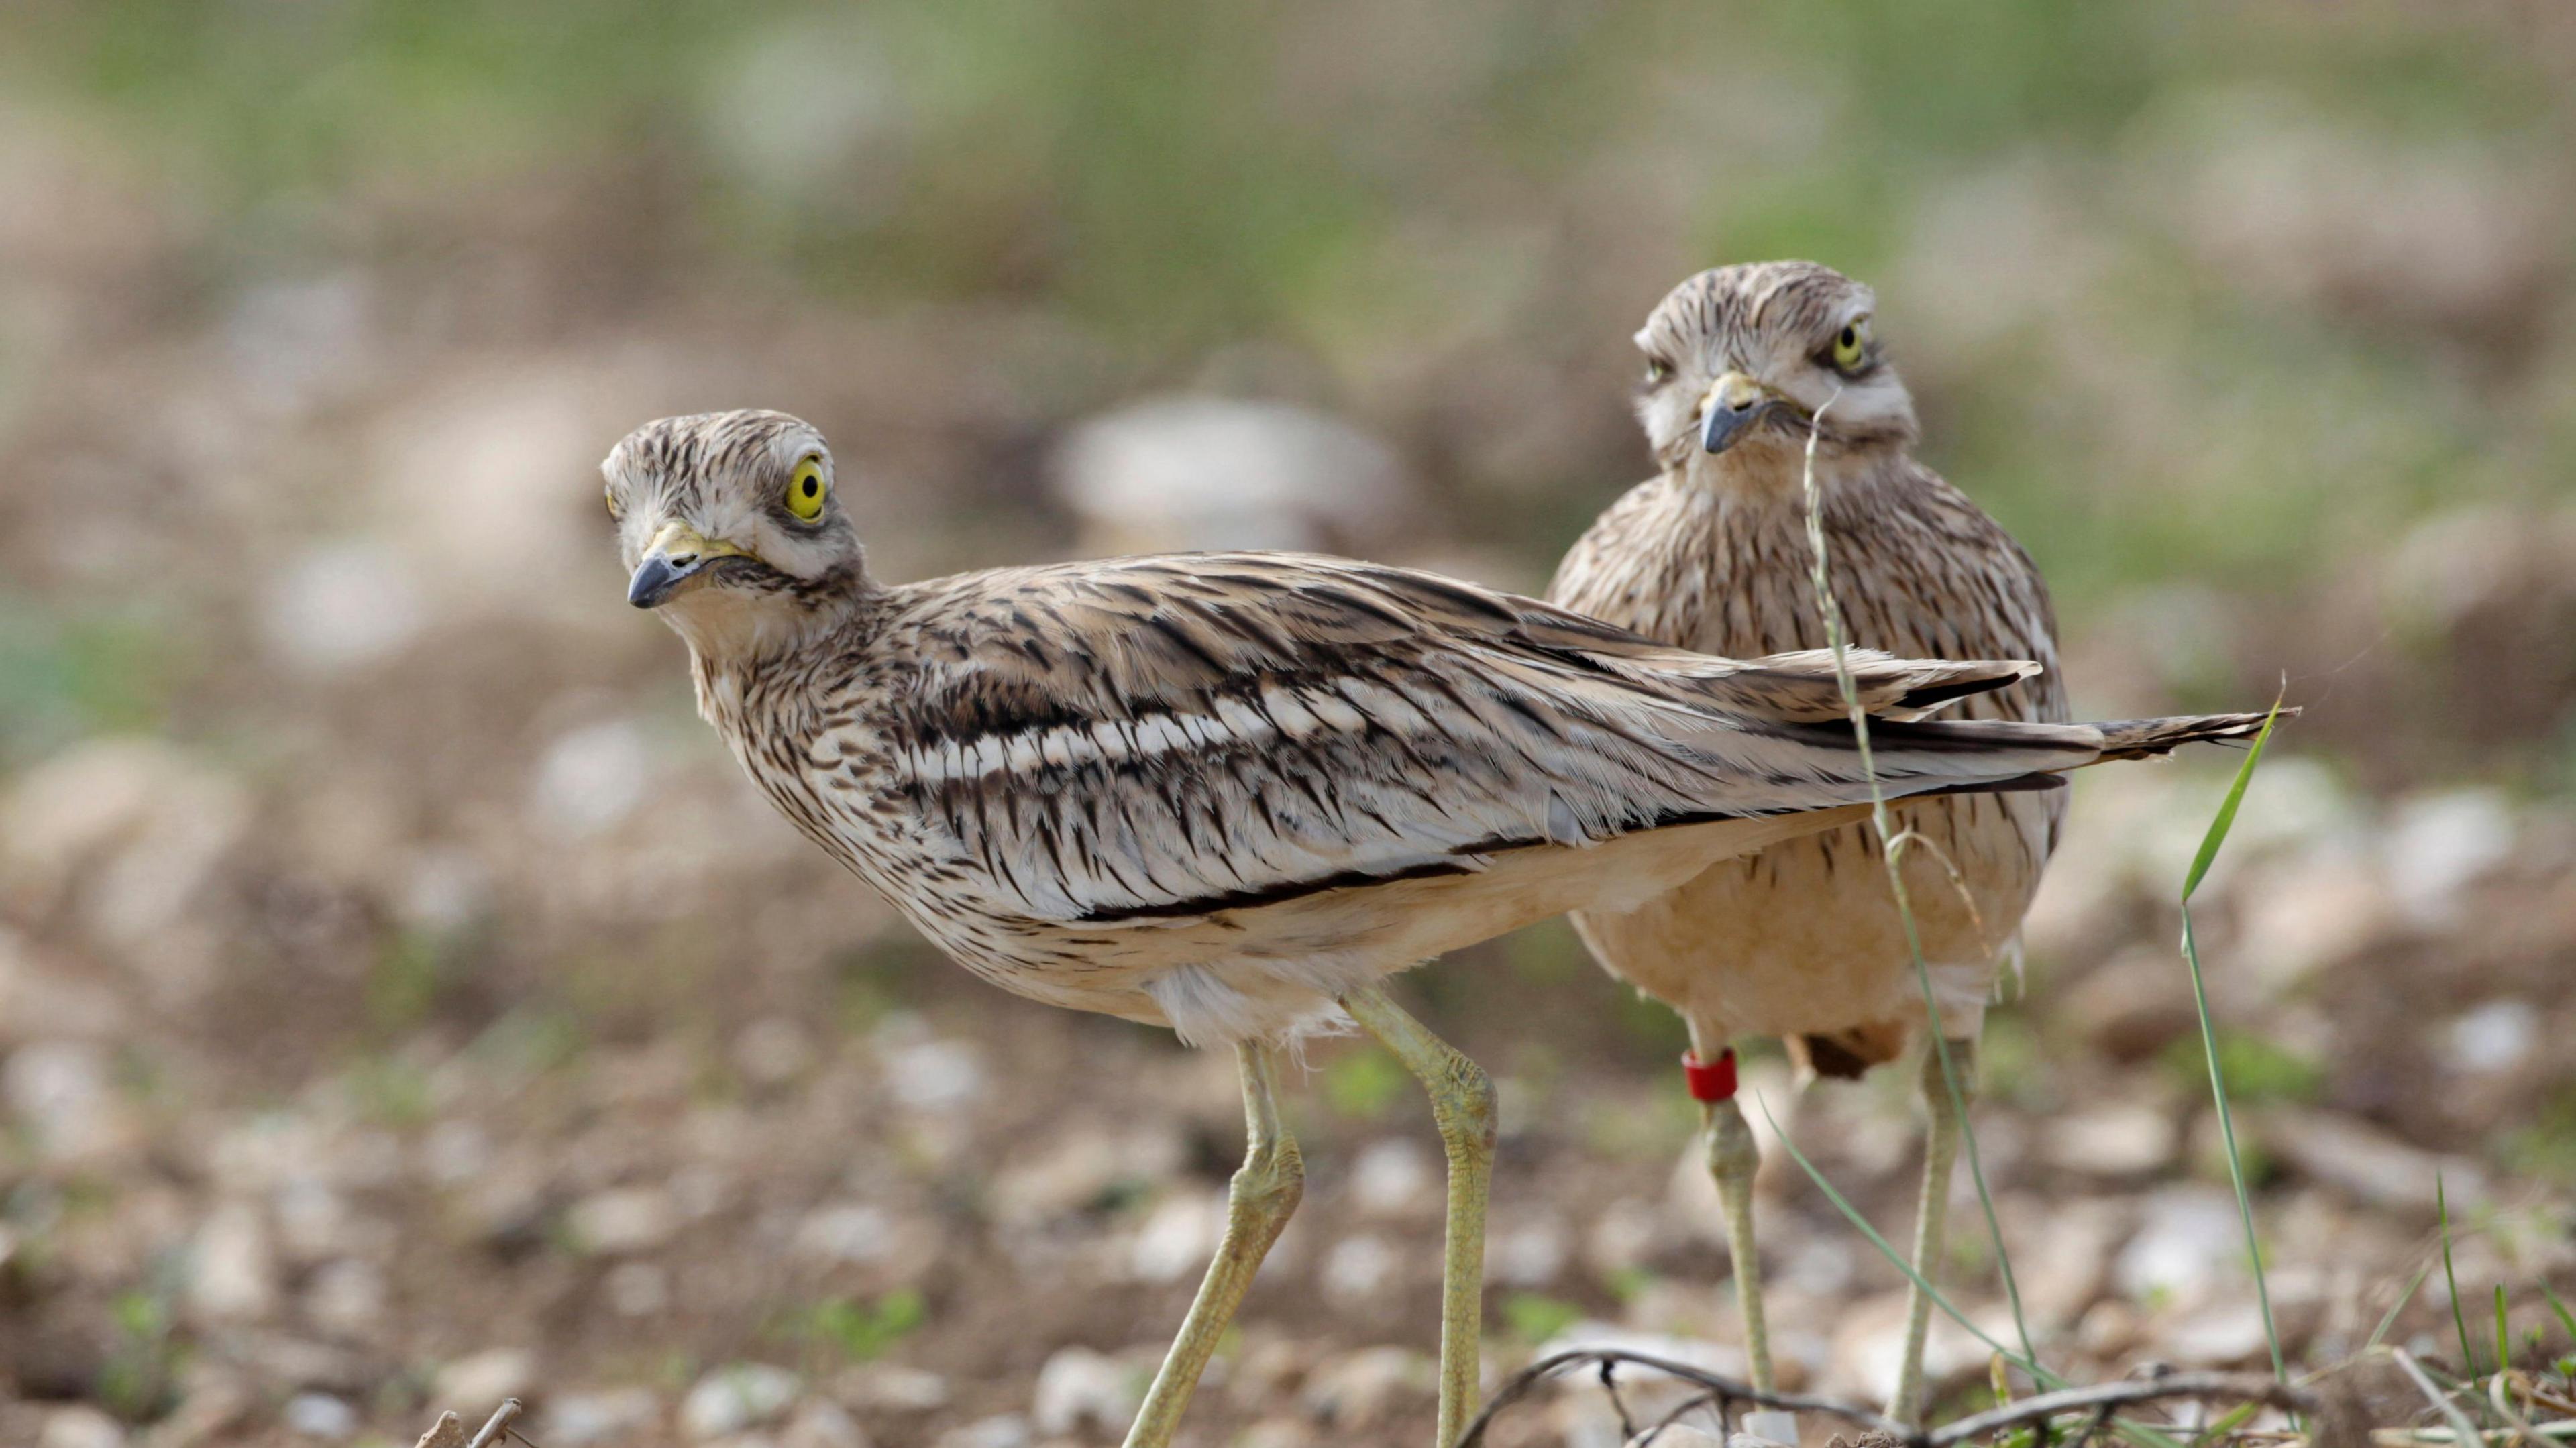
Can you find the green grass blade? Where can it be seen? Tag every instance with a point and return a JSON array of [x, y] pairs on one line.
[[2504, 1343], [2459, 1321], [2209, 846], [2566, 1319], [2226, 820], [2414, 1285]]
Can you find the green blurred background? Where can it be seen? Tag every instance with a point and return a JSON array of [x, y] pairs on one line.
[[325, 737]]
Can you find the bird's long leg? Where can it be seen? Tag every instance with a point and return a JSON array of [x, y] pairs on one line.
[[1931, 1213], [1462, 1104], [1264, 1191], [1732, 1160]]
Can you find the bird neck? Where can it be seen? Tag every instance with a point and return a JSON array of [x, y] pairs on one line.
[[1771, 475], [737, 641]]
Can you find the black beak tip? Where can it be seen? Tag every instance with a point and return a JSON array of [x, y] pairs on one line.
[[1723, 426], [1718, 429], [652, 583]]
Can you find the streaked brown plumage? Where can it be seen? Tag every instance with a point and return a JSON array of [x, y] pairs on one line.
[[1804, 940], [1231, 792]]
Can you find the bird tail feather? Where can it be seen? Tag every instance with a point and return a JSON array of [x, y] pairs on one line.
[[2147, 738]]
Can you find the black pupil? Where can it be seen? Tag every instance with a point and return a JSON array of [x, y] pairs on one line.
[[809, 487], [1849, 337]]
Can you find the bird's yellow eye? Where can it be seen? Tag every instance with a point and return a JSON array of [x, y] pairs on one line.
[[806, 489], [613, 515], [1657, 369], [1851, 344]]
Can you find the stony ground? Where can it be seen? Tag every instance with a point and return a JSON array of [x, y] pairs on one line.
[[773, 1188]]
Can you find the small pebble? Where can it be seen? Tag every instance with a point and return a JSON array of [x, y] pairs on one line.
[[319, 1415], [737, 1396]]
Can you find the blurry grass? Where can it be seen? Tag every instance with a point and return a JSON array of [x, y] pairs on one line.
[[139, 1380], [2546, 1146], [391, 1093], [845, 1330], [1532, 1318], [1383, 193], [1364, 1083], [2256, 1068], [63, 677]]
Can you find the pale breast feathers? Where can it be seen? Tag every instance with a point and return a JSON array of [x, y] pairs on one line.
[[1161, 738]]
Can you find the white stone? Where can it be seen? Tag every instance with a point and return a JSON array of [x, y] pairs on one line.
[[934, 1075], [81, 1426], [338, 605], [1529, 1254], [320, 1415], [2118, 1139], [2492, 1038], [591, 779], [236, 1269], [2187, 1237], [2222, 1334], [483, 1379], [1359, 1268], [2439, 845], [1393, 1177], [1178, 1238], [847, 1232], [820, 1423], [738, 1396], [1869, 1345], [1763, 1428], [1080, 1387], [59, 1091], [1194, 472], [1004, 1430], [576, 1420], [893, 1387], [2310, 912], [622, 1220], [347, 1297], [1624, 1234]]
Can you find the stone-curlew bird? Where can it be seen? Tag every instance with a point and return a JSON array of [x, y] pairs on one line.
[[1232, 793], [1804, 941]]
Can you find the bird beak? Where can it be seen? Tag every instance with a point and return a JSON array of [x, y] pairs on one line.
[[1733, 403], [675, 555]]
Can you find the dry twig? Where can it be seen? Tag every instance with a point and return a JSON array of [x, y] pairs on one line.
[[1723, 1392]]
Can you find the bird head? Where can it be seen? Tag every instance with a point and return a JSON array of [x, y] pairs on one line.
[[728, 526], [1742, 361]]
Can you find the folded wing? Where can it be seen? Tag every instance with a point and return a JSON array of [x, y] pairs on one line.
[[1162, 738]]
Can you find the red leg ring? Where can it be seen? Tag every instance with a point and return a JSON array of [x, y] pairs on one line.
[[1710, 1081]]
